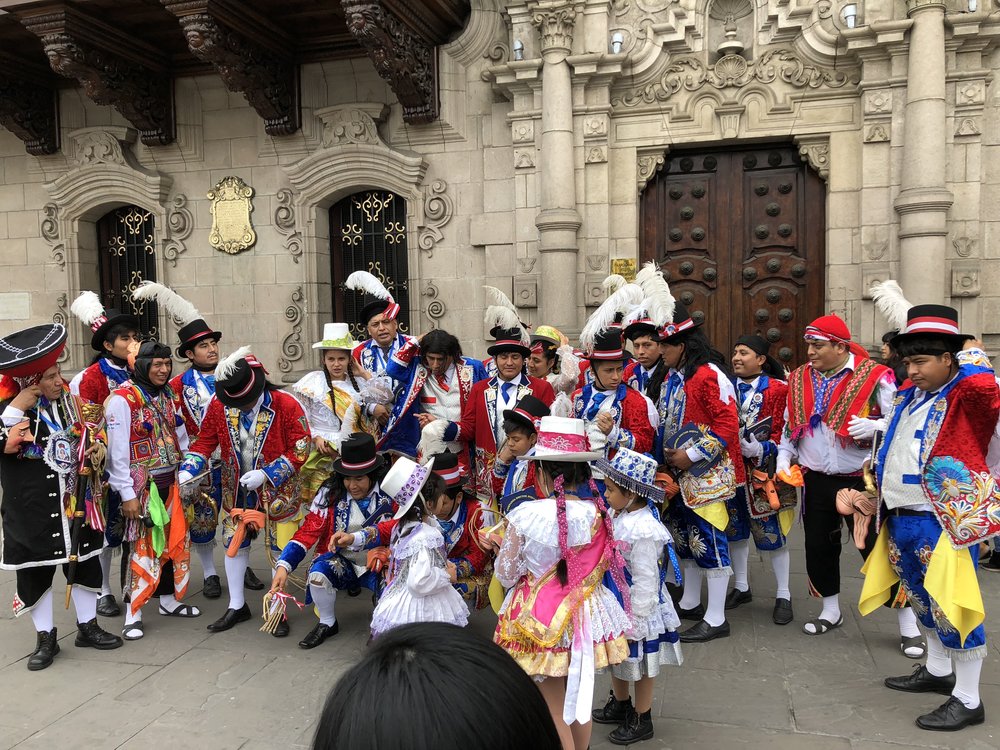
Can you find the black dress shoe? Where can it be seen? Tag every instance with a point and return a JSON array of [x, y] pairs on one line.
[[695, 613], [213, 587], [92, 635], [702, 631], [46, 649], [108, 607], [319, 634], [636, 728], [922, 681], [951, 716], [736, 597], [251, 581], [782, 614], [282, 630], [231, 618], [614, 711]]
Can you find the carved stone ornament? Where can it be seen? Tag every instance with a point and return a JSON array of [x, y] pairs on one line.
[[967, 127], [113, 68], [406, 61], [60, 316], [815, 151], [527, 265], [232, 231], [291, 346], [596, 155], [250, 54], [348, 125], [647, 165], [524, 158], [965, 279], [964, 246], [180, 223], [28, 105], [436, 308], [284, 222], [879, 132], [733, 71], [555, 22], [438, 209]]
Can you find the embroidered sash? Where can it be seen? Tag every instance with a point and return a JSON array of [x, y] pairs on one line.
[[849, 398]]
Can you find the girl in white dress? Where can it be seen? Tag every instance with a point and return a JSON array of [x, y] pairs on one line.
[[652, 639], [420, 577]]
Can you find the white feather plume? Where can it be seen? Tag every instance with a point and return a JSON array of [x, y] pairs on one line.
[[362, 281], [604, 317], [505, 317], [87, 307], [889, 300], [227, 366], [432, 439], [172, 302], [496, 298], [660, 302], [613, 283]]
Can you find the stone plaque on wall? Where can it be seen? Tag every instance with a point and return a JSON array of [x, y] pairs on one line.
[[232, 231]]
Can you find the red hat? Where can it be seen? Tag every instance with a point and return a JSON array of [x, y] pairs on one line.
[[829, 328]]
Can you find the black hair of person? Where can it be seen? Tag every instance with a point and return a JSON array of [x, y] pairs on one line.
[[329, 380], [698, 351], [928, 346], [437, 685], [110, 337], [656, 379], [889, 336], [518, 427], [440, 342], [334, 485], [574, 473]]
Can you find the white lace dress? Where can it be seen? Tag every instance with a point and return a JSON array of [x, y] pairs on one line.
[[593, 639], [652, 639], [419, 589]]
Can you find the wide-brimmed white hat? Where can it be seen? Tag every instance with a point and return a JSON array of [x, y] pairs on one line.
[[336, 336], [563, 439], [404, 481]]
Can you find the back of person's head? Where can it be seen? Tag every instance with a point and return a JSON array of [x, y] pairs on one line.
[[435, 685]]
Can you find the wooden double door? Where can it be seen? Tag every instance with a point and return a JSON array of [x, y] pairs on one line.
[[740, 235]]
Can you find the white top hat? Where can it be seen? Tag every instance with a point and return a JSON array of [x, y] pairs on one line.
[[563, 439], [336, 336], [404, 481]]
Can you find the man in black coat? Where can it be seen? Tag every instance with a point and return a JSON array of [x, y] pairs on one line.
[[39, 475]]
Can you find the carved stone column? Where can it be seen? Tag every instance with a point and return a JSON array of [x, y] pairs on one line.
[[924, 199], [558, 220]]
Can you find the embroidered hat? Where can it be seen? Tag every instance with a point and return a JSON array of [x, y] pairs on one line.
[[562, 439], [932, 322], [682, 322], [240, 378], [447, 467], [336, 336], [31, 351], [358, 456], [608, 346], [634, 472], [528, 411], [404, 481], [90, 310]]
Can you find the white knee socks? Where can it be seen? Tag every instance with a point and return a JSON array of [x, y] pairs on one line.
[[205, 555], [85, 604], [324, 599], [830, 613], [692, 584], [938, 661], [236, 569], [739, 554], [781, 560], [41, 614], [715, 612], [907, 622], [106, 571], [967, 681]]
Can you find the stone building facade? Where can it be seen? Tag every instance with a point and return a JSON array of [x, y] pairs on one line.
[[571, 138]]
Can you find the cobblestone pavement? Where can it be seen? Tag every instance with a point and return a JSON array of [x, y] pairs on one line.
[[765, 687]]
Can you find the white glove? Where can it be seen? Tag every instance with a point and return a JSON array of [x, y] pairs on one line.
[[184, 477], [252, 480], [862, 429], [784, 464], [751, 448]]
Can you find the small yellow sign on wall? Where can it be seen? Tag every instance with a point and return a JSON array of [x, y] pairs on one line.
[[624, 267]]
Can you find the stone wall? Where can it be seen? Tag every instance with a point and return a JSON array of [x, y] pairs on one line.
[[527, 150]]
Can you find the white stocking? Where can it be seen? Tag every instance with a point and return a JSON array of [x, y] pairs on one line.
[[692, 584], [967, 681], [41, 614], [781, 560], [324, 599], [938, 660], [715, 612], [739, 554], [207, 558], [106, 571], [85, 604], [236, 569]]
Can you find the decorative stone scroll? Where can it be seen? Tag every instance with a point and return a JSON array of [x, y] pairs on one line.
[[292, 348], [438, 209], [181, 224], [436, 308], [284, 222]]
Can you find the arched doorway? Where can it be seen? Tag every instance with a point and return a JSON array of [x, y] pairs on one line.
[[126, 257], [368, 233], [740, 234]]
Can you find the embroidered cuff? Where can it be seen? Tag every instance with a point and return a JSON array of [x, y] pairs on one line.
[[293, 554], [462, 566], [194, 464], [279, 471]]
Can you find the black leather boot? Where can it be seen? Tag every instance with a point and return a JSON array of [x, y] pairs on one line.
[[636, 728], [45, 651], [614, 711], [92, 635]]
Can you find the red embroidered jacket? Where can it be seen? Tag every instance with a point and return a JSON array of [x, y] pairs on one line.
[[631, 419], [703, 406], [479, 416], [95, 386], [281, 446]]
